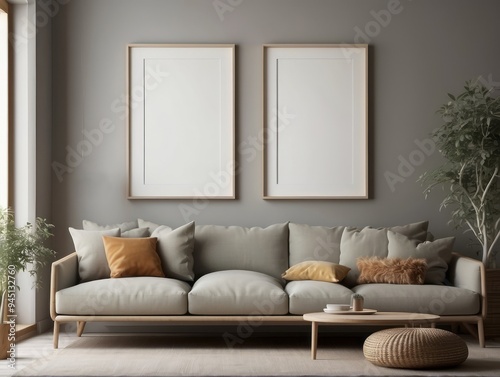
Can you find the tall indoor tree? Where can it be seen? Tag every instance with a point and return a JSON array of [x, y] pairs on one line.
[[469, 140]]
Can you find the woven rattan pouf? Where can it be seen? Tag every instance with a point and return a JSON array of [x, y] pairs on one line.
[[415, 348]]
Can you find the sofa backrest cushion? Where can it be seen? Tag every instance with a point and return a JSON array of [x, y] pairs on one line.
[[219, 248], [314, 243]]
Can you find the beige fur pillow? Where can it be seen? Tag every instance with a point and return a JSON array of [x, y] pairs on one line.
[[391, 270]]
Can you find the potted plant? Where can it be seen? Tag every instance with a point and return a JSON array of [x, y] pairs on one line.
[[469, 140], [21, 248]]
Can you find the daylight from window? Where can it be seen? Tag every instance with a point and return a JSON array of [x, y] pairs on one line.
[[4, 105]]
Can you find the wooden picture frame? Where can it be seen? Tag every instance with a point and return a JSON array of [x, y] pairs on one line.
[[315, 121], [181, 115]]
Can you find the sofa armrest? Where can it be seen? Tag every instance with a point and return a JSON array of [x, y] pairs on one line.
[[468, 273], [64, 274]]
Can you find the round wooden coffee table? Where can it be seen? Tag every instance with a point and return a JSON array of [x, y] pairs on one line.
[[378, 318]]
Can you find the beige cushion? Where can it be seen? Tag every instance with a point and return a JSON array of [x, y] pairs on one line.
[[391, 270], [126, 296], [437, 253], [316, 270], [314, 243], [237, 292], [370, 242], [175, 247], [92, 262], [308, 296], [237, 248], [132, 257]]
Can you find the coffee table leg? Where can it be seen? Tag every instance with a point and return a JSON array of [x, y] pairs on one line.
[[314, 339]]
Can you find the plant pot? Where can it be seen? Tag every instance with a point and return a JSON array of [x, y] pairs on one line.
[[492, 323], [4, 341]]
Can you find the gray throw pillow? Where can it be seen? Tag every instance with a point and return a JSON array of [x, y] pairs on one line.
[[437, 254], [371, 242], [128, 229], [90, 225], [147, 224], [136, 233], [175, 247]]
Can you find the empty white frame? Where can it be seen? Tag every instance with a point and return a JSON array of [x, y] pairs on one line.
[[315, 122], [181, 121]]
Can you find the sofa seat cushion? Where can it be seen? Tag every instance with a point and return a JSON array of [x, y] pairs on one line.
[[125, 296], [238, 292], [432, 299], [307, 296]]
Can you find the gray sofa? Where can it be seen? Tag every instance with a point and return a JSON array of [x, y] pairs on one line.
[[220, 275]]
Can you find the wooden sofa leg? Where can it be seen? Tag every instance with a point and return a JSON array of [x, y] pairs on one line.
[[56, 334], [480, 332], [80, 326]]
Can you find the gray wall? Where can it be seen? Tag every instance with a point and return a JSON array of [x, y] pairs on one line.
[[43, 151], [424, 50]]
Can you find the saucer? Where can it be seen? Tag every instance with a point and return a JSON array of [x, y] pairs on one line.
[[350, 311]]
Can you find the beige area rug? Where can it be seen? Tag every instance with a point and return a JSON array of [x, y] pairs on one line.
[[141, 355]]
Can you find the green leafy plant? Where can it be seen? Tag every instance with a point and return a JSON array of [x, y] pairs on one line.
[[469, 139], [21, 249]]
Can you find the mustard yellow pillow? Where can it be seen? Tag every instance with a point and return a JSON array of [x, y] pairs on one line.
[[316, 270], [132, 257]]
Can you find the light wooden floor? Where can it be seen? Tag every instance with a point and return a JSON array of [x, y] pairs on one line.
[[32, 349], [41, 346]]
